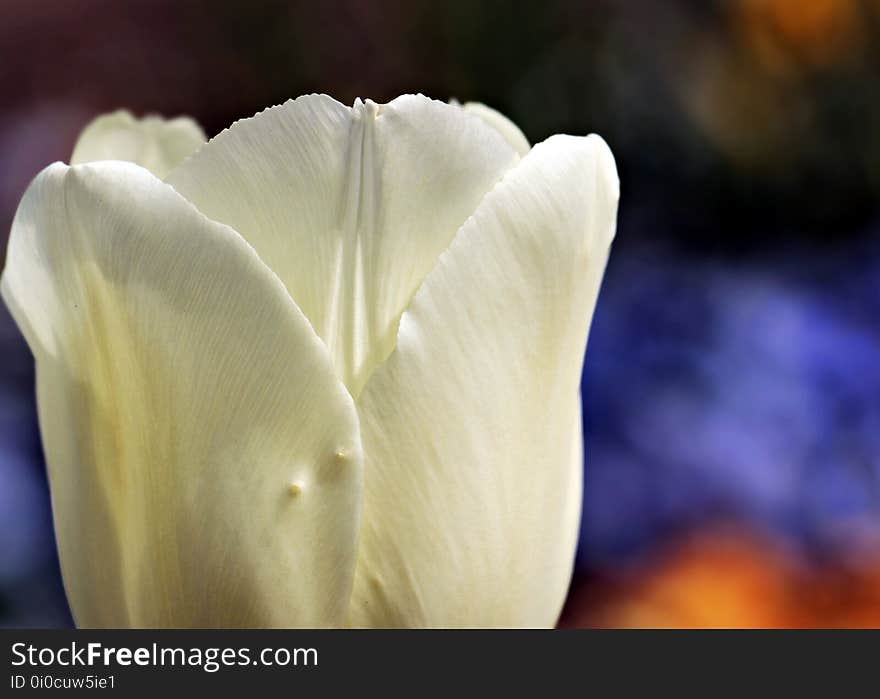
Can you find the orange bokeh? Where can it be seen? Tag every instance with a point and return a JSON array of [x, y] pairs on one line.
[[815, 31], [730, 579]]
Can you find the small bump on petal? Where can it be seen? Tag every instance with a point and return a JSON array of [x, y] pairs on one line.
[[174, 473]]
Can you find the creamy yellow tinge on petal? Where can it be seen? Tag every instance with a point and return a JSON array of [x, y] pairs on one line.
[[199, 433], [152, 142], [511, 132], [349, 206], [472, 428], [204, 460]]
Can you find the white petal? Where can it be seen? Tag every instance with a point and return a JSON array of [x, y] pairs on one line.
[[152, 142], [204, 461], [471, 429], [511, 132], [349, 206]]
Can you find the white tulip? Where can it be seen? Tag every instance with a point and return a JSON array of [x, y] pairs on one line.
[[324, 373]]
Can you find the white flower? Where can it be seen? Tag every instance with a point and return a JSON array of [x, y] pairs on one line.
[[324, 374]]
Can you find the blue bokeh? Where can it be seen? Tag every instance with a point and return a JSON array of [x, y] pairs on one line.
[[718, 391], [712, 391]]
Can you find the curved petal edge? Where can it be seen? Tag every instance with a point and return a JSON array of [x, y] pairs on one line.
[[472, 429], [152, 142], [205, 463]]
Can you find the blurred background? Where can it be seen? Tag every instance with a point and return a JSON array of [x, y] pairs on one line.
[[732, 382]]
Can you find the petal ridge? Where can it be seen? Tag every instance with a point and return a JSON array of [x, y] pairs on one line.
[[349, 206]]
